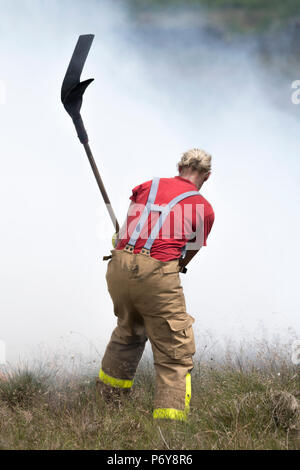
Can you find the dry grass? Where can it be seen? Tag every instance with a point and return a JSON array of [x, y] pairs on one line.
[[236, 404]]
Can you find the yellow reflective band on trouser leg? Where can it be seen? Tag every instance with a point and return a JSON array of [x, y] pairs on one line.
[[113, 382], [188, 392], [171, 413]]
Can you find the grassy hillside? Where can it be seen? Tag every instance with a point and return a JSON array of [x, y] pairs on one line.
[[278, 7], [233, 407], [238, 15]]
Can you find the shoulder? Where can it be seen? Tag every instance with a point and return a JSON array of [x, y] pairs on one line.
[[143, 186], [204, 203], [208, 207], [140, 189]]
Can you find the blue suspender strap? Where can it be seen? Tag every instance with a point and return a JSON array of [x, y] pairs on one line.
[[146, 212], [165, 212]]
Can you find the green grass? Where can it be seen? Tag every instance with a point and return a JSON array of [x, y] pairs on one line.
[[233, 407]]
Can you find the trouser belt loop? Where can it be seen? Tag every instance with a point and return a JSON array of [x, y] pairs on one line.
[[129, 248]]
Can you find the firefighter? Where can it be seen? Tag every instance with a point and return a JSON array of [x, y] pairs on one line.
[[143, 280]]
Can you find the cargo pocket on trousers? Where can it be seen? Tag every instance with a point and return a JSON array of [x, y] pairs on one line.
[[171, 283], [183, 341]]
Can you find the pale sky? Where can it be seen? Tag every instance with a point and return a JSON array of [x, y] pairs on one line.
[[147, 105]]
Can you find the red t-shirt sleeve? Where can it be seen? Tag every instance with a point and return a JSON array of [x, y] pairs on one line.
[[135, 192], [208, 223], [198, 225], [140, 192]]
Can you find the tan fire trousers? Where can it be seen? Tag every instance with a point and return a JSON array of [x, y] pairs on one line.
[[149, 304]]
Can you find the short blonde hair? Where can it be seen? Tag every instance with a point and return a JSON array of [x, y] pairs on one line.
[[196, 159]]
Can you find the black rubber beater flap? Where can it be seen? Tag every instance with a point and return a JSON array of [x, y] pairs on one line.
[[72, 89]]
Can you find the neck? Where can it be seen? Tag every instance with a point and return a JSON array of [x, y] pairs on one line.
[[193, 178]]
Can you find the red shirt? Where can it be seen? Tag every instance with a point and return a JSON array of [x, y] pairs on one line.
[[193, 216]]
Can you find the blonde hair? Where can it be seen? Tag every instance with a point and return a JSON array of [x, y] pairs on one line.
[[196, 159]]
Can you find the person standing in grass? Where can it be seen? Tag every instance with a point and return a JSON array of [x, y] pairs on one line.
[[167, 223]]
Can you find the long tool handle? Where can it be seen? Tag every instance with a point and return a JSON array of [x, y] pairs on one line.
[[101, 187]]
